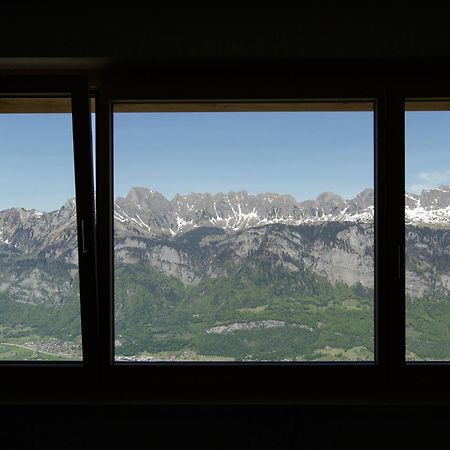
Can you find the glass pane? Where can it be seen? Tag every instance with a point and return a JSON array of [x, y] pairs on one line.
[[244, 236], [39, 288], [427, 218]]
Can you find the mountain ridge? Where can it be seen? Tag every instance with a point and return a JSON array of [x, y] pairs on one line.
[[147, 212]]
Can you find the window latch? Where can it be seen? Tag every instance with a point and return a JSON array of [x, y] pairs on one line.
[[83, 241]]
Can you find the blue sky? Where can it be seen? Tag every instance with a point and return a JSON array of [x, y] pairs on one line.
[[427, 150], [36, 163], [302, 154]]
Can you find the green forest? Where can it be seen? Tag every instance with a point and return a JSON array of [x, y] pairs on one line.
[[254, 313], [156, 313]]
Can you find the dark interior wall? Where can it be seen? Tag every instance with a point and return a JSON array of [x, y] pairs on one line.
[[184, 33], [223, 427], [187, 36]]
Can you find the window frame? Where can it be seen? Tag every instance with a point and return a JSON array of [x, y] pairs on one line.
[[241, 381], [427, 377], [390, 378], [30, 379]]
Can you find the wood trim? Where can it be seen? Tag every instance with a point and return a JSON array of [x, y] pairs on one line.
[[239, 106], [427, 105], [23, 105]]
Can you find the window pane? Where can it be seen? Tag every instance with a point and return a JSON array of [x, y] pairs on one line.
[[427, 216], [39, 289], [244, 236]]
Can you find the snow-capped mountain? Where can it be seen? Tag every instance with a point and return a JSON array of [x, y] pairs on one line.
[[147, 211], [198, 235], [431, 207], [52, 234], [144, 210]]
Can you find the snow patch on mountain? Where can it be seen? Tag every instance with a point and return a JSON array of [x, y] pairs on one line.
[[146, 212], [237, 211]]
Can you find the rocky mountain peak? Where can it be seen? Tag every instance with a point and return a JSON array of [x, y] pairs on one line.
[[68, 208], [330, 202], [435, 198]]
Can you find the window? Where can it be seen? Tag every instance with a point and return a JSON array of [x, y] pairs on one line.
[[244, 235], [39, 288], [46, 223], [427, 218]]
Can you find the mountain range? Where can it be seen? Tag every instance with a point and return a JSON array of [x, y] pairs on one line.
[[147, 212], [190, 236], [144, 210], [217, 263]]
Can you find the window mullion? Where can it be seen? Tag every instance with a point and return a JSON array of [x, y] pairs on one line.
[[84, 187], [104, 201], [390, 236]]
